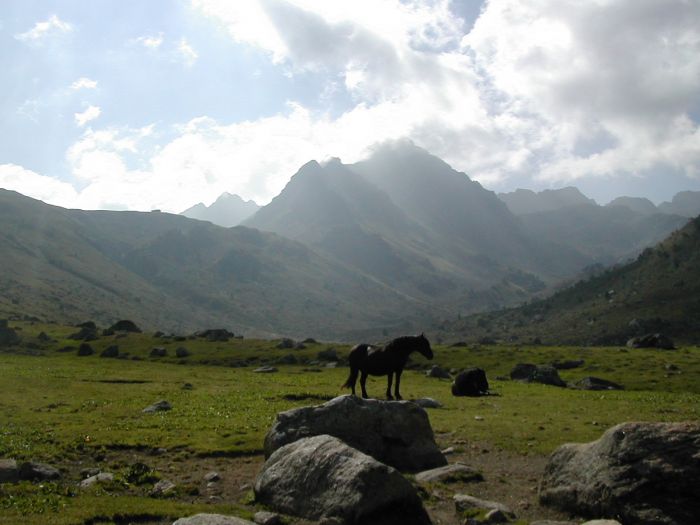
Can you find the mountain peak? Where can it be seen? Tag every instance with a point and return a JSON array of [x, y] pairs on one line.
[[227, 210], [521, 201]]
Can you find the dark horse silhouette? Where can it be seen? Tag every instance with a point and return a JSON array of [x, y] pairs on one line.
[[385, 360]]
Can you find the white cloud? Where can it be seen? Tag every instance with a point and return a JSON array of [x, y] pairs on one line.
[[41, 30], [91, 113], [83, 83], [188, 55], [151, 41], [47, 189]]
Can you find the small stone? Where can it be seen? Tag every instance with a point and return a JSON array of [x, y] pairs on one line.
[[163, 488], [496, 516], [602, 522], [450, 474], [478, 418], [182, 352], [464, 502], [89, 472], [158, 406], [427, 402], [448, 451], [212, 476], [265, 370], [101, 477], [212, 519], [159, 351]]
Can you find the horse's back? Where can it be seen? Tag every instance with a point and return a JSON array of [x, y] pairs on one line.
[[358, 354]]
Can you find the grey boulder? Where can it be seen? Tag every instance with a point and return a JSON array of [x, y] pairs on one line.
[[449, 474], [322, 477], [397, 433], [35, 471], [643, 473]]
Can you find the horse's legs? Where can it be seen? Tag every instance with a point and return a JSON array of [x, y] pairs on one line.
[[398, 381], [363, 380], [388, 386], [353, 380]]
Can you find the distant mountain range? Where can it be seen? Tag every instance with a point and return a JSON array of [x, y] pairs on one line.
[[658, 292], [377, 248], [227, 211]]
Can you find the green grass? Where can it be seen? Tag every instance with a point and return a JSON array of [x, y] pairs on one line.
[[58, 407]]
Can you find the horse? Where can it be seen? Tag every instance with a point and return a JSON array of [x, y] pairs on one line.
[[385, 360]]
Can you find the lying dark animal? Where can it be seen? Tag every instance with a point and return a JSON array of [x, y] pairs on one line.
[[471, 382], [384, 360]]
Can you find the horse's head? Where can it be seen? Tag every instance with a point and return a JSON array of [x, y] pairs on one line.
[[423, 346]]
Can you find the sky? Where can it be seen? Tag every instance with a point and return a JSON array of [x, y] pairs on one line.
[[161, 104]]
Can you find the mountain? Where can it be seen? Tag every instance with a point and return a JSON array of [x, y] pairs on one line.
[[169, 272], [637, 204], [407, 219], [659, 291], [521, 201], [605, 234], [227, 211], [685, 203]]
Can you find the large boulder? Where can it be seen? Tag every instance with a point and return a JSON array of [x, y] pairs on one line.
[[397, 433], [657, 340], [545, 374], [643, 473], [471, 382], [322, 477]]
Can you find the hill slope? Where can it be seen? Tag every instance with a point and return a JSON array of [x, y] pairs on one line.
[[658, 291], [172, 273]]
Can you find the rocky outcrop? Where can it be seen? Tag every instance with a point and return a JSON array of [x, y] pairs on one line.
[[645, 473], [397, 433], [545, 374], [322, 477], [657, 340]]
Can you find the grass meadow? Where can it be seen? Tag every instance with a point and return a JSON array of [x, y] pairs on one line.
[[72, 411]]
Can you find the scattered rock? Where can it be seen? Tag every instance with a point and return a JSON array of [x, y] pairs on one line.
[[427, 402], [123, 326], [310, 341], [159, 351], [299, 346], [88, 332], [215, 335], [671, 368], [568, 365], [85, 349], [448, 451], [9, 471], [331, 364], [187, 386], [450, 474], [552, 522], [595, 383], [464, 502], [602, 522], [163, 488], [89, 472], [267, 518], [458, 344], [400, 436], [329, 354], [321, 476], [496, 516], [645, 473], [657, 340], [545, 374], [158, 406], [101, 477], [471, 382], [437, 372], [110, 351], [34, 471], [212, 519], [286, 344], [181, 351], [265, 370], [211, 476], [288, 359], [43, 337]]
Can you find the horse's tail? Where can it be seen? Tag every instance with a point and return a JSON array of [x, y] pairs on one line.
[[352, 378]]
